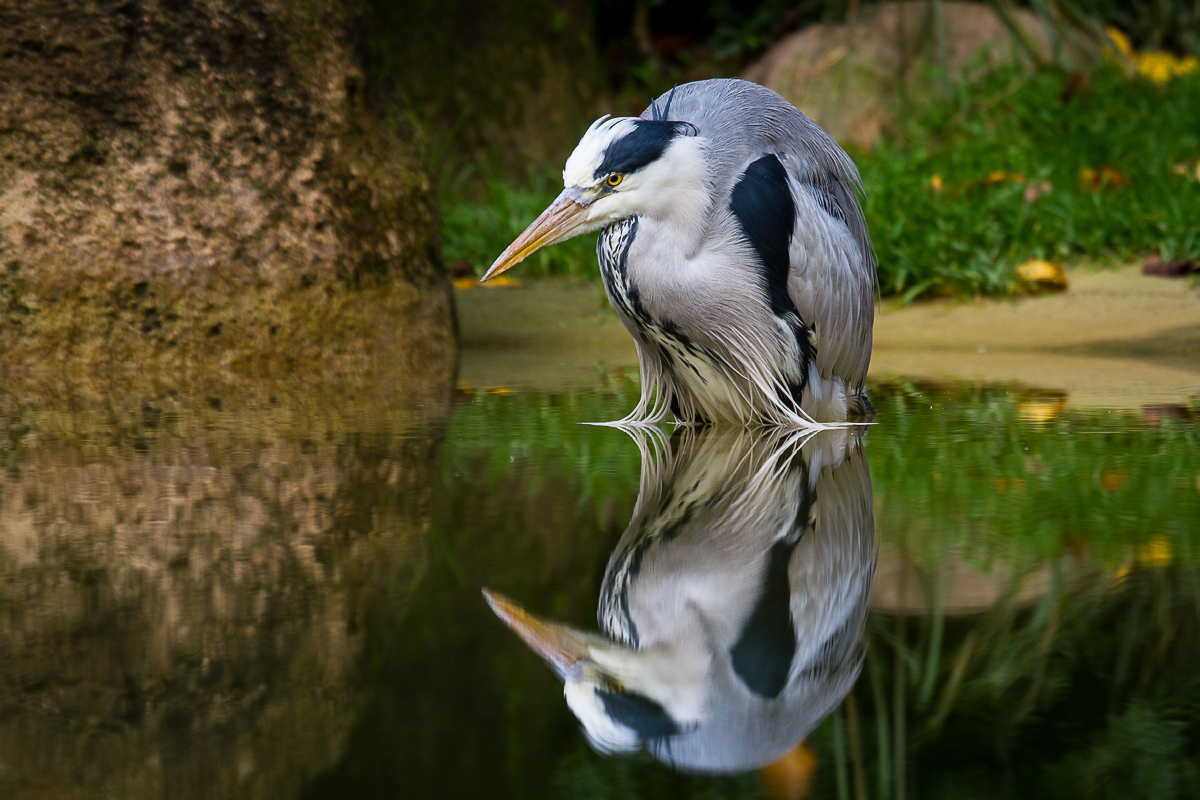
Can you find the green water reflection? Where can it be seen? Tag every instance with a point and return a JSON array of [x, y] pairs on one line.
[[282, 600]]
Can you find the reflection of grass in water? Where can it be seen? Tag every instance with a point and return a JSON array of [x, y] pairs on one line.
[[1007, 153], [492, 433], [970, 471], [1090, 688]]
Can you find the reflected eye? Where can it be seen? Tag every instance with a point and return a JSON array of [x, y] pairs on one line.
[[614, 179]]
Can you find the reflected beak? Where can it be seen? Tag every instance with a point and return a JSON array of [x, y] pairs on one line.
[[564, 649], [558, 222]]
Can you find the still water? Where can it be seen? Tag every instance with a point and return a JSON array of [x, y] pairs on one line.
[[986, 594]]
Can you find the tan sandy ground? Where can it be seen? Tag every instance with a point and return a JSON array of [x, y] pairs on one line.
[[1116, 339]]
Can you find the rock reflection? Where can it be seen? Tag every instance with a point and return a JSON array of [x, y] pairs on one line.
[[734, 604], [183, 592]]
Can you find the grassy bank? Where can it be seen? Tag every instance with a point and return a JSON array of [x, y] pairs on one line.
[[1068, 167]]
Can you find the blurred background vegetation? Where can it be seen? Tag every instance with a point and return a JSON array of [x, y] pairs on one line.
[[1084, 150]]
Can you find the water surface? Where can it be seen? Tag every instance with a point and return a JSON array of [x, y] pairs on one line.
[[281, 598]]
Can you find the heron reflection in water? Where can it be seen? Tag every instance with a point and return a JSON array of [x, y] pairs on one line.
[[733, 606]]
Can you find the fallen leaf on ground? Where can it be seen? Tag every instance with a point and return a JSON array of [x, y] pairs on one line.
[[1188, 169], [1120, 40], [1043, 274], [1036, 189], [1000, 176], [1170, 269], [1155, 65], [1161, 67], [1100, 178], [502, 281]]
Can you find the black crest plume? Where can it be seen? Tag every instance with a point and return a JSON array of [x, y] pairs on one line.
[[666, 112]]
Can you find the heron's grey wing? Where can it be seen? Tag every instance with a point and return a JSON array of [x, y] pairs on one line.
[[832, 279]]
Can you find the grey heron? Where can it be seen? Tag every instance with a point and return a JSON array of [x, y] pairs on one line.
[[733, 605], [733, 249]]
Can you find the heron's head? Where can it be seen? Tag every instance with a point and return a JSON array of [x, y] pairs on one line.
[[621, 167], [625, 697]]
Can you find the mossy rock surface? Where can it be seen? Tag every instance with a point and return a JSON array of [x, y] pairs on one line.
[[208, 186]]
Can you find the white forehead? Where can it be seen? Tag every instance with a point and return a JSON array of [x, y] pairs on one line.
[[605, 733], [582, 165]]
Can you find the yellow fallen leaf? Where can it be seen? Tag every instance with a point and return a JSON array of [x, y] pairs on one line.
[[935, 183], [1100, 178], [1160, 66], [1043, 274], [1043, 410], [1120, 41], [501, 281], [1155, 65], [1000, 176], [791, 777], [1188, 169]]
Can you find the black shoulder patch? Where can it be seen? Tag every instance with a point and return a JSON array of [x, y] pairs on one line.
[[641, 146], [763, 654], [763, 204], [639, 713]]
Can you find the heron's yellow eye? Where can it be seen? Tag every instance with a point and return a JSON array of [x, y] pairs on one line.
[[614, 179]]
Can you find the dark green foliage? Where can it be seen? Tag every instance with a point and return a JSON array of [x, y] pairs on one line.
[[1170, 24], [477, 232]]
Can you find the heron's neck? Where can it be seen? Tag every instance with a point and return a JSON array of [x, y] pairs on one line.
[[682, 195]]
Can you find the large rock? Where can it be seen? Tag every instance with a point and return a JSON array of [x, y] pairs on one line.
[[207, 184], [854, 78]]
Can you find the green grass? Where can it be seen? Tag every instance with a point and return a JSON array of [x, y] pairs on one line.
[[969, 237], [477, 229]]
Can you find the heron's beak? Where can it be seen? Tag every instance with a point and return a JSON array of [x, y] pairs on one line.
[[564, 649], [556, 223]]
